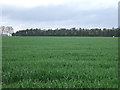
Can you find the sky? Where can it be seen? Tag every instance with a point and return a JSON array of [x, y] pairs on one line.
[[44, 14]]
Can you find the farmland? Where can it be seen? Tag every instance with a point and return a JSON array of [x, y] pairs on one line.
[[60, 62]]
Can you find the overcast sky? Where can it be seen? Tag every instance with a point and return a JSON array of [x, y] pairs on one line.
[[22, 14]]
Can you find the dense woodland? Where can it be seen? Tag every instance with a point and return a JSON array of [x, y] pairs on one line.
[[69, 32]]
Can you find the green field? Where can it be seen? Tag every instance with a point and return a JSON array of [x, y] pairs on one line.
[[60, 62]]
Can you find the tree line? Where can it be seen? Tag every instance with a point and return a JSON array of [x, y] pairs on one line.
[[69, 32]]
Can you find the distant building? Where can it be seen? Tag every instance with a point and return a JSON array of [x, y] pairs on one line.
[[6, 31]]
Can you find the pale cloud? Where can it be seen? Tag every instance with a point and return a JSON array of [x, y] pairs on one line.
[[96, 4], [34, 3], [23, 14]]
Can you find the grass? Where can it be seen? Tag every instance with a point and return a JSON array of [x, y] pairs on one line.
[[60, 62]]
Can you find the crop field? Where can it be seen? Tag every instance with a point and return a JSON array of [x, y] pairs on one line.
[[60, 62]]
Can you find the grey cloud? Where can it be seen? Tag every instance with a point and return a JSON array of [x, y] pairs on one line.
[[39, 13], [106, 17]]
